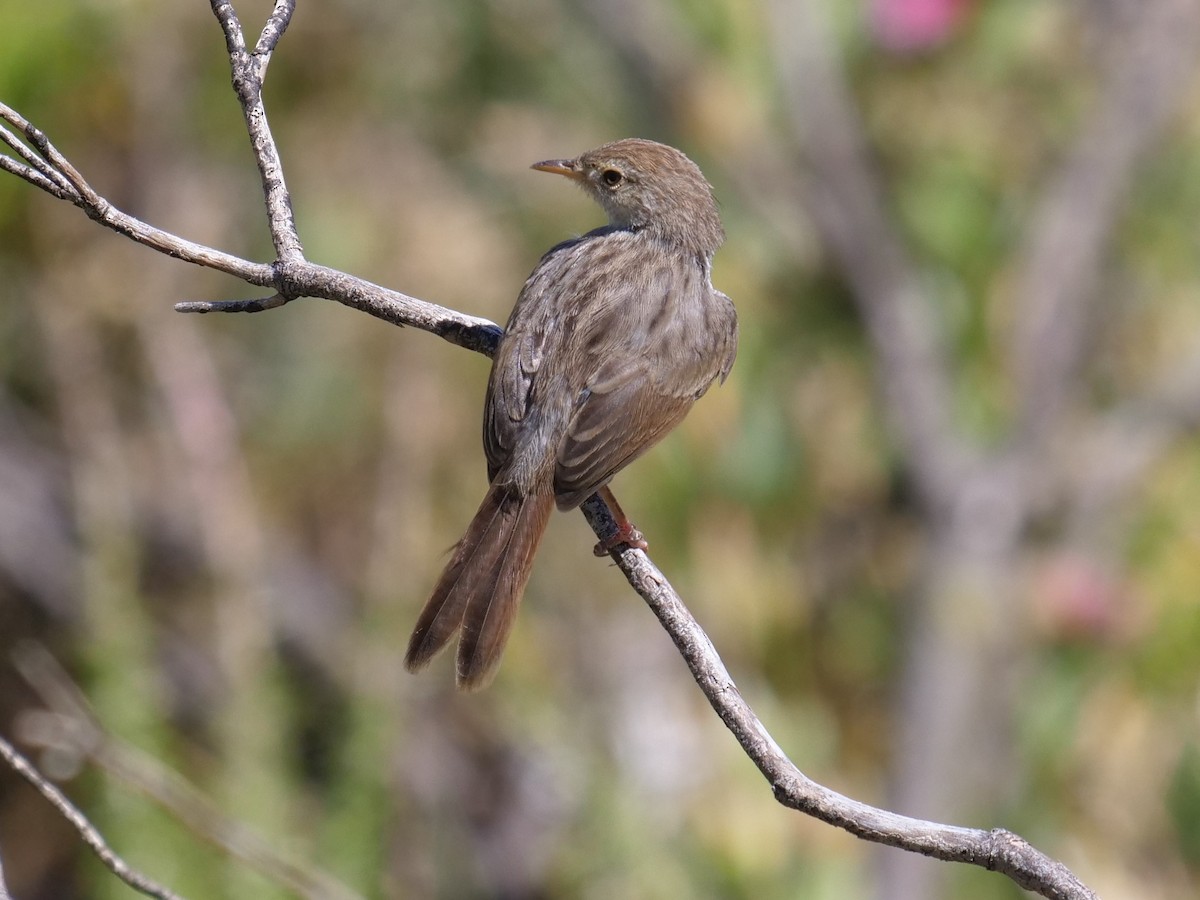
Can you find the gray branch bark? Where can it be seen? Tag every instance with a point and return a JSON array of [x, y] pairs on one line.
[[95, 842]]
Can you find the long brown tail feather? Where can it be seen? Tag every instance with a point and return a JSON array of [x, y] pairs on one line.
[[443, 611], [481, 586], [490, 612]]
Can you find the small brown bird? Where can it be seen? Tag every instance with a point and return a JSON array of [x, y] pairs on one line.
[[614, 336]]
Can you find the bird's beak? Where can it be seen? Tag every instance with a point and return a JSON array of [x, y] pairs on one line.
[[568, 167]]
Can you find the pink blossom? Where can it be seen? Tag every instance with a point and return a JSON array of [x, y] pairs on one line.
[[908, 26]]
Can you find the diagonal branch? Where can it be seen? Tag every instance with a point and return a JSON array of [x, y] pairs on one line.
[[38, 169], [998, 849], [277, 24], [290, 278], [87, 831], [70, 725]]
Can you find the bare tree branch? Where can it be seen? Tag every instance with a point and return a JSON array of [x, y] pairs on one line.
[[999, 850], [72, 727], [36, 169], [912, 375], [249, 70], [34, 177], [257, 304], [67, 184], [87, 831], [290, 278], [277, 24]]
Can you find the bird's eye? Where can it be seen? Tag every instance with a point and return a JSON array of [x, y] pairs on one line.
[[611, 177]]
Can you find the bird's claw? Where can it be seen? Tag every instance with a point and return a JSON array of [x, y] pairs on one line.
[[626, 534]]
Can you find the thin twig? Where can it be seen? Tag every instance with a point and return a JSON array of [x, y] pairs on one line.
[[87, 831], [249, 70], [277, 24], [258, 304], [34, 177], [34, 161], [67, 174], [78, 731], [37, 170], [296, 278]]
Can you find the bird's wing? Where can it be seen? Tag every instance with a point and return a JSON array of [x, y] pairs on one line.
[[507, 405], [561, 301], [599, 361], [635, 397], [613, 426]]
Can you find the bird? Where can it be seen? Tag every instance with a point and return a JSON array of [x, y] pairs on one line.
[[613, 337]]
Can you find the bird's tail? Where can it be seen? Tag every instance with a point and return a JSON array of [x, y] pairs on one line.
[[482, 584]]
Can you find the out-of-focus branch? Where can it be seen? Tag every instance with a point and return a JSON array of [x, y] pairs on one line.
[[87, 831], [653, 49], [36, 540], [70, 727], [1062, 258], [1101, 468], [846, 203]]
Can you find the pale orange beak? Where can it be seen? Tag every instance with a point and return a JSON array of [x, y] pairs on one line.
[[567, 167]]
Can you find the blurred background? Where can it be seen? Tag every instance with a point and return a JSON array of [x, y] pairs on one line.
[[943, 521]]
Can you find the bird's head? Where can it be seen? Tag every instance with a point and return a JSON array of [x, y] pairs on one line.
[[647, 186]]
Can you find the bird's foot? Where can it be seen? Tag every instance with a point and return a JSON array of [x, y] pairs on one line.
[[625, 534]]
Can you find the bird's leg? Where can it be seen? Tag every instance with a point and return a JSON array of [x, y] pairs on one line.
[[626, 533]]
